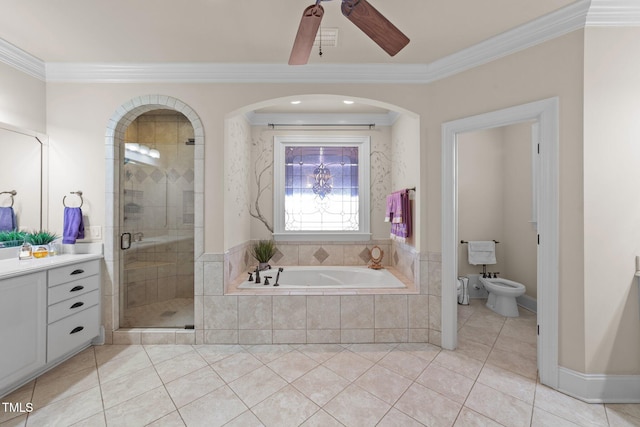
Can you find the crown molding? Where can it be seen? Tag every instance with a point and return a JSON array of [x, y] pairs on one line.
[[575, 16], [21, 60], [234, 73], [613, 13]]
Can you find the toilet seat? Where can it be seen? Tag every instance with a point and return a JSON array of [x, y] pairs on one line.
[[503, 286], [502, 295]]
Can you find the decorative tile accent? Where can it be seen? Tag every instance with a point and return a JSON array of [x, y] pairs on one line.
[[365, 255], [173, 175], [156, 175], [277, 256], [141, 175], [321, 255], [189, 175]]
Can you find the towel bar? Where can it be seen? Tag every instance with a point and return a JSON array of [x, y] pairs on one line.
[[12, 193], [465, 242], [77, 193]]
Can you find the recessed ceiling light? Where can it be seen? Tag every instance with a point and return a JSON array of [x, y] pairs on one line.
[[296, 102], [348, 102]]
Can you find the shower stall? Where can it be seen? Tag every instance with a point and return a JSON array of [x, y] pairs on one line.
[[157, 222]]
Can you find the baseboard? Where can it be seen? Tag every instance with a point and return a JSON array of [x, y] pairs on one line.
[[528, 302], [599, 388]]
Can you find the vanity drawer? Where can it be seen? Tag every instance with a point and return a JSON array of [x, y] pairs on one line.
[[72, 306], [71, 332], [73, 272], [73, 289]]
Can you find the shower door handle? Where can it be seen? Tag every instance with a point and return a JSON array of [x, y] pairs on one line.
[[125, 241]]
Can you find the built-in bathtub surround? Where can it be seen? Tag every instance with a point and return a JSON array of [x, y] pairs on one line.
[[277, 317]]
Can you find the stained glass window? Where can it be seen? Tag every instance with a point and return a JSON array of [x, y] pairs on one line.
[[321, 188]]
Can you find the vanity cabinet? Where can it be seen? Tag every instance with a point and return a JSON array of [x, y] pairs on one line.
[[23, 326], [73, 314], [46, 316]]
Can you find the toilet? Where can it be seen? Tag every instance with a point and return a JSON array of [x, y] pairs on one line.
[[502, 295]]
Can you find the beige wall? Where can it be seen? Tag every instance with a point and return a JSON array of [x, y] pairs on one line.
[[239, 173], [22, 100], [481, 196], [611, 205], [495, 199], [406, 169]]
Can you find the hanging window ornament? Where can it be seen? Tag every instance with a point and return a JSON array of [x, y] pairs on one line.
[[322, 185]]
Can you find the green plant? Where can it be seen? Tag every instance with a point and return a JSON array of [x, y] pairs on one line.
[[40, 237], [11, 238], [263, 250]]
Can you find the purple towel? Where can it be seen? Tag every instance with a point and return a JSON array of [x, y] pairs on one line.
[[401, 220], [7, 219], [73, 227]]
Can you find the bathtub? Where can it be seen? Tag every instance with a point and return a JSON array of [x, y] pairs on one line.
[[309, 277]]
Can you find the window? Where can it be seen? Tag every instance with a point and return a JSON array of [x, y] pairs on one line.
[[321, 188]]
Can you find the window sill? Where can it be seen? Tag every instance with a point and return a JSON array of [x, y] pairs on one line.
[[321, 236]]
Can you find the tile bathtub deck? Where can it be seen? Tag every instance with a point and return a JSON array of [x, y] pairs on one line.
[[490, 380]]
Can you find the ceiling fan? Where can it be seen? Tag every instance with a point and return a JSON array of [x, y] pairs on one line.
[[362, 14]]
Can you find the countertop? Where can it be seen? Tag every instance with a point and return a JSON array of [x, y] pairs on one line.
[[14, 267]]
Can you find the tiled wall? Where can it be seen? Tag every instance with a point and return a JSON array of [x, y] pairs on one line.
[[278, 319]]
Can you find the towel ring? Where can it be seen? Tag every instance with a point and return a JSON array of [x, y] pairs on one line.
[[12, 193], [77, 193]]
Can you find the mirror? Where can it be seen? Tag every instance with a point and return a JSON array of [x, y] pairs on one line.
[[22, 172], [376, 254]]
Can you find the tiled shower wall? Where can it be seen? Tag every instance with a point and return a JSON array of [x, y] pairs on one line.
[[278, 319]]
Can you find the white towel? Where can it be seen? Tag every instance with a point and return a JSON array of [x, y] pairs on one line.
[[482, 252]]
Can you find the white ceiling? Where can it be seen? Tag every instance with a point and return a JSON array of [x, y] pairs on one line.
[[247, 31]]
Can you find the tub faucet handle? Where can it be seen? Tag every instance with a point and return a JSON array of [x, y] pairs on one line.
[[266, 280], [495, 275], [250, 276]]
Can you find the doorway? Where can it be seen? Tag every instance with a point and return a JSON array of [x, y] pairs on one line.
[[157, 222], [545, 114]]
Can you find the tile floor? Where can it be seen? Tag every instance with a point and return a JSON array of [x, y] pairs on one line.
[[489, 381]]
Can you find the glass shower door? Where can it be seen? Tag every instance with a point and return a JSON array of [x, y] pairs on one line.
[[156, 261]]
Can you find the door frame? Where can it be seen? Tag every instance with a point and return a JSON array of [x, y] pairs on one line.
[[546, 113]]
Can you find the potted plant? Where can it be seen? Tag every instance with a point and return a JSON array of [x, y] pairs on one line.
[[12, 238], [39, 241], [263, 251]]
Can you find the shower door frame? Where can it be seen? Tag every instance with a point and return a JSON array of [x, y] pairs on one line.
[[114, 143]]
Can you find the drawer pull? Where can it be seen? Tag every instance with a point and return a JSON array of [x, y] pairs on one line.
[[76, 330], [77, 288], [78, 271], [76, 305]]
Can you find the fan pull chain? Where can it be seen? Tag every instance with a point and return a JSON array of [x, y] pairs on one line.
[[320, 43]]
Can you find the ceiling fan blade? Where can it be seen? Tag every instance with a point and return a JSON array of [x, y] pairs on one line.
[[309, 24], [375, 25]]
